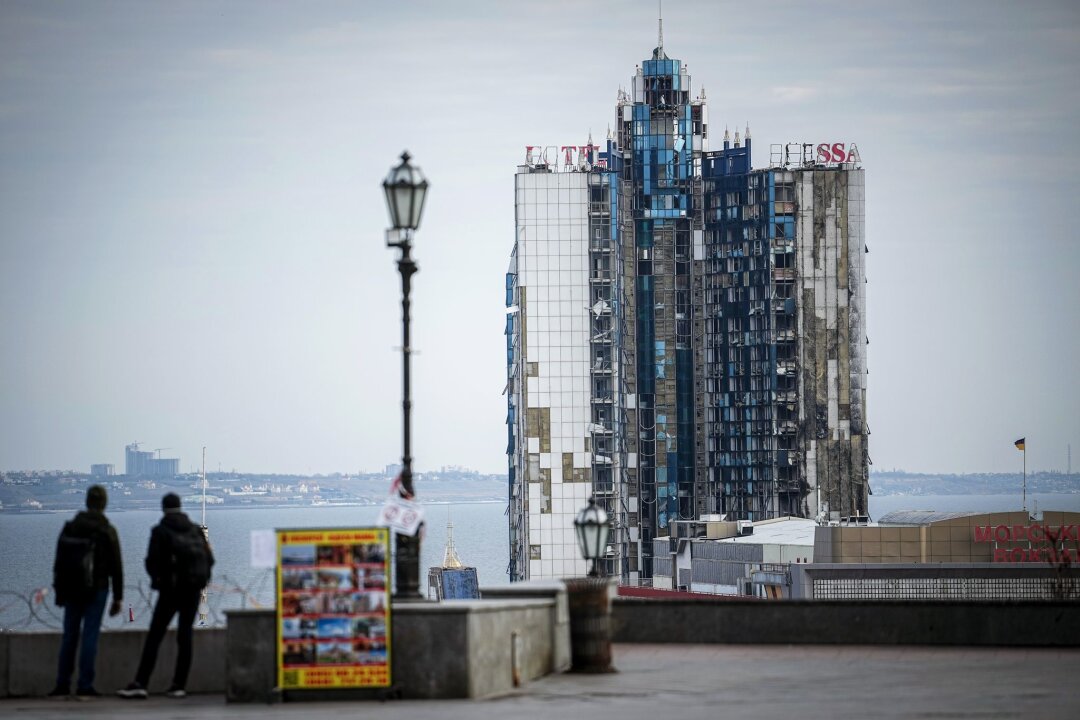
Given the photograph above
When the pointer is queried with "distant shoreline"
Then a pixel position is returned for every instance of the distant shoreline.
(237, 506)
(191, 507)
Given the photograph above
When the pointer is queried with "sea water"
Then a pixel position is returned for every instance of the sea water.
(28, 542)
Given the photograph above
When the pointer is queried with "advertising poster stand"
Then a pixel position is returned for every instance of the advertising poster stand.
(333, 614)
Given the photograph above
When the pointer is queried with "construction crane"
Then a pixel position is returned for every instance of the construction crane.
(158, 451)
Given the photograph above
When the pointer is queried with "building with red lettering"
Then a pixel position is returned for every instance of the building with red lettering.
(931, 537)
(907, 555)
(961, 556)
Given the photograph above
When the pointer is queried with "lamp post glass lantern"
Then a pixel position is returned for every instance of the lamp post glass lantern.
(591, 527)
(406, 190)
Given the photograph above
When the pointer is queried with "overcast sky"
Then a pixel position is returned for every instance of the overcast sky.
(191, 222)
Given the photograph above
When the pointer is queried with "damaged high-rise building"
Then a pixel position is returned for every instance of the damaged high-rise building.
(685, 334)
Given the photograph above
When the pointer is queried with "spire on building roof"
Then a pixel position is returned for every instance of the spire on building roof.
(660, 36)
(747, 135)
(450, 557)
(658, 53)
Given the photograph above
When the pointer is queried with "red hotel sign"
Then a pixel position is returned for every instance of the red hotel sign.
(564, 156)
(828, 154)
(1052, 537)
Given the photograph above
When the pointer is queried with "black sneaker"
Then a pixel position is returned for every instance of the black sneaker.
(59, 692)
(87, 692)
(134, 691)
(175, 692)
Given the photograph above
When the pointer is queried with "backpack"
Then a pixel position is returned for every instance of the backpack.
(73, 575)
(190, 558)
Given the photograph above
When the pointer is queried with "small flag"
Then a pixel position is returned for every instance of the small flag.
(1020, 443)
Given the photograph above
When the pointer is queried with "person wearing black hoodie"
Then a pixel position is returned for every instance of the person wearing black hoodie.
(178, 593)
(83, 607)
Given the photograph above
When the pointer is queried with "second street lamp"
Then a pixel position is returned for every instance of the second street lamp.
(406, 191)
(591, 528)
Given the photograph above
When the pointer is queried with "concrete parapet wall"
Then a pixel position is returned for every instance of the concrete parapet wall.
(452, 649)
(471, 648)
(553, 590)
(847, 622)
(250, 647)
(28, 662)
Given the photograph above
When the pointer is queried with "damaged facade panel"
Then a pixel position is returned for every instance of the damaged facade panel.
(785, 381)
(840, 468)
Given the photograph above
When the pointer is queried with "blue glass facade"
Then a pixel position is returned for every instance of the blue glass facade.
(663, 130)
(749, 299)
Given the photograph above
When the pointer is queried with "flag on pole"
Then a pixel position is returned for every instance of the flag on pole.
(1020, 443)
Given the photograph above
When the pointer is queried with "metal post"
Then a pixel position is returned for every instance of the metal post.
(1025, 475)
(407, 555)
(674, 559)
(589, 608)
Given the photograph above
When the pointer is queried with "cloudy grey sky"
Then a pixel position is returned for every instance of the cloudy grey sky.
(191, 223)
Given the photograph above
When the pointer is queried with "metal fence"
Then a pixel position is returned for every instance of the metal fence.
(724, 563)
(36, 609)
(974, 581)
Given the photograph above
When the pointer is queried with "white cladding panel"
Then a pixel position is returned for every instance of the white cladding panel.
(553, 262)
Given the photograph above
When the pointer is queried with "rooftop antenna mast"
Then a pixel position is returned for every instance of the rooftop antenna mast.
(660, 38)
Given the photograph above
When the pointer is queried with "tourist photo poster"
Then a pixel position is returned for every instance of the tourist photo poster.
(333, 608)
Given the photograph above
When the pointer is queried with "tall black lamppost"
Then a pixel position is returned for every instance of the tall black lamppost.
(406, 189)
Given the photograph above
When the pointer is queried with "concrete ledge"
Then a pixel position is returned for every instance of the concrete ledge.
(1045, 624)
(250, 645)
(560, 613)
(485, 648)
(28, 662)
(453, 649)
(471, 648)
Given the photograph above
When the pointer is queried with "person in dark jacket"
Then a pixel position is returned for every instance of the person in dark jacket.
(84, 609)
(178, 593)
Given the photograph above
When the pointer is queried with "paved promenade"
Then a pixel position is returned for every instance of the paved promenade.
(682, 682)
